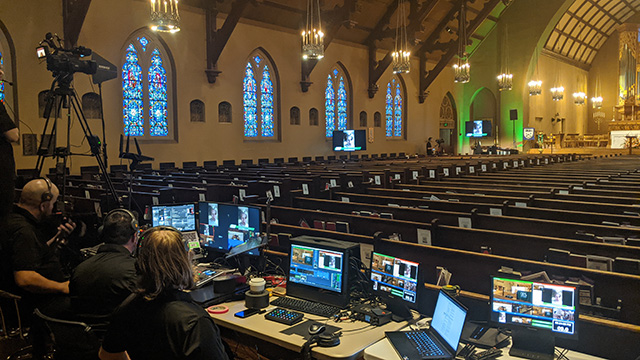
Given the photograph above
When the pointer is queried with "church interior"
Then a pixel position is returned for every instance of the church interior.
(477, 138)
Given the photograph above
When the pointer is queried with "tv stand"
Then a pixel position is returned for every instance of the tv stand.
(532, 344)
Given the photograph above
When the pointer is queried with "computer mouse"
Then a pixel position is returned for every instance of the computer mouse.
(315, 329)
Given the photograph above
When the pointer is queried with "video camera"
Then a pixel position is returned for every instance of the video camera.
(64, 62)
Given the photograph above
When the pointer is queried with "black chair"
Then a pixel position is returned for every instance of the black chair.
(12, 302)
(72, 340)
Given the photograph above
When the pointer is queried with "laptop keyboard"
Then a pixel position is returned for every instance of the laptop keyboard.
(423, 343)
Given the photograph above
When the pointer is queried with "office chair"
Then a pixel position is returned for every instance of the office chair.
(24, 352)
(72, 340)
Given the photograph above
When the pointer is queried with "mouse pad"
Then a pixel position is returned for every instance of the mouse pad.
(302, 329)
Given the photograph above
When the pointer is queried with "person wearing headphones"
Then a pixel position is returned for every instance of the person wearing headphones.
(31, 256)
(102, 282)
(161, 321)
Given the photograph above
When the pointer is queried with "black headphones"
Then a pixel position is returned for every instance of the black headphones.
(322, 340)
(47, 195)
(134, 221)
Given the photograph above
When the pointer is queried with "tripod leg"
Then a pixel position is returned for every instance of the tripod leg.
(51, 105)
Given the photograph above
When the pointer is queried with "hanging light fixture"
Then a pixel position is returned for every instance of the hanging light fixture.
(579, 98)
(535, 87)
(312, 35)
(461, 69)
(597, 99)
(557, 93)
(505, 80)
(165, 16)
(401, 53)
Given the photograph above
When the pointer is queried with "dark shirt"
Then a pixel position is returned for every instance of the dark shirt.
(99, 284)
(7, 163)
(429, 148)
(170, 327)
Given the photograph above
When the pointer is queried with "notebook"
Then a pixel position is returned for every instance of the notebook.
(441, 340)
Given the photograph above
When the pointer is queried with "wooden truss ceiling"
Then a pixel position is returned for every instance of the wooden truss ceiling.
(432, 27)
(587, 25)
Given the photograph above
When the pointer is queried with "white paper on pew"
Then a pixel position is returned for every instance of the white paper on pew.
(242, 193)
(365, 253)
(204, 181)
(305, 189)
(345, 199)
(154, 200)
(350, 184)
(415, 175)
(432, 174)
(424, 236)
(563, 192)
(458, 170)
(495, 211)
(521, 204)
(276, 190)
(201, 197)
(495, 165)
(578, 188)
(170, 185)
(471, 170)
(333, 182)
(434, 198)
(445, 171)
(546, 161)
(86, 194)
(377, 179)
(406, 189)
(515, 163)
(393, 205)
(504, 165)
(396, 176)
(464, 222)
(96, 206)
(269, 195)
(484, 168)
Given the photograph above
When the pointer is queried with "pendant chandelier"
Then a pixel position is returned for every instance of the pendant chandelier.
(535, 87)
(462, 70)
(312, 35)
(597, 99)
(164, 16)
(579, 98)
(401, 53)
(505, 79)
(557, 93)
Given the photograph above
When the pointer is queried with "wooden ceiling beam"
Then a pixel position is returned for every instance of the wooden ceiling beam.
(426, 78)
(382, 24)
(341, 16)
(73, 14)
(475, 11)
(217, 38)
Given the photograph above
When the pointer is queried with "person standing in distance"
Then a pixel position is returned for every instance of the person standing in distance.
(429, 147)
(161, 321)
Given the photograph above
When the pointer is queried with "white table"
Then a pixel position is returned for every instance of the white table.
(356, 336)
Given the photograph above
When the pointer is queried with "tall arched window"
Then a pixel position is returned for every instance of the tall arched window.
(260, 97)
(336, 101)
(148, 94)
(7, 62)
(395, 109)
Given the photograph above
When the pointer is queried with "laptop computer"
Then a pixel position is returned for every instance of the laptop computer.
(441, 340)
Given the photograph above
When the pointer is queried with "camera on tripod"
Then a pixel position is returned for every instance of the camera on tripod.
(61, 61)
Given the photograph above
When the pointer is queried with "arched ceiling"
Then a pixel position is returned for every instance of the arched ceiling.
(586, 26)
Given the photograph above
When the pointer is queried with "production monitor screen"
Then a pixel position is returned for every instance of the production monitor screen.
(534, 304)
(317, 267)
(478, 128)
(349, 140)
(179, 216)
(394, 276)
(226, 226)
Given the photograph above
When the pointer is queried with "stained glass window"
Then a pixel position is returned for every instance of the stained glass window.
(1, 83)
(394, 109)
(336, 102)
(146, 85)
(132, 94)
(259, 101)
(250, 103)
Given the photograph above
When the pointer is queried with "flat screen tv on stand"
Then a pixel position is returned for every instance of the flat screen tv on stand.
(396, 281)
(349, 140)
(536, 313)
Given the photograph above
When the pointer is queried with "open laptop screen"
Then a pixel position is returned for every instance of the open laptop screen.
(448, 319)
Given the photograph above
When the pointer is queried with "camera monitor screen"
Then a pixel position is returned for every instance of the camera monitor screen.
(478, 128)
(534, 304)
(226, 226)
(349, 140)
(394, 276)
(319, 269)
(179, 216)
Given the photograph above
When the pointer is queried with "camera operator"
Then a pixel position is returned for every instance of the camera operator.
(8, 134)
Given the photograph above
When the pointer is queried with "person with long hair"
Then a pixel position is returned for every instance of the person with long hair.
(160, 320)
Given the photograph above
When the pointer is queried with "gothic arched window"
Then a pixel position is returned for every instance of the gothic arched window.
(395, 109)
(336, 101)
(260, 87)
(148, 88)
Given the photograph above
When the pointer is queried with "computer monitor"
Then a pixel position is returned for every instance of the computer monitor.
(225, 226)
(319, 269)
(536, 312)
(396, 281)
(477, 128)
(179, 216)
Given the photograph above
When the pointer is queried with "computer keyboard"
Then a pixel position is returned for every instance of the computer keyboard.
(423, 343)
(305, 306)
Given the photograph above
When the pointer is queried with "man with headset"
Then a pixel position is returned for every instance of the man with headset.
(99, 284)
